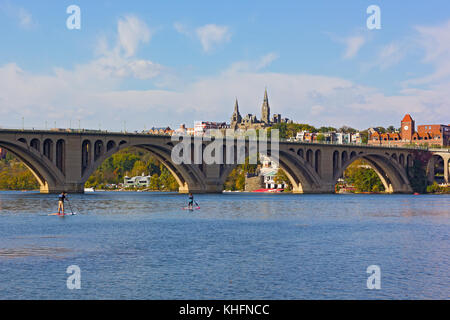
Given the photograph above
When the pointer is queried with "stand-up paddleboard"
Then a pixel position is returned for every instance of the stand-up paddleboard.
(191, 209)
(62, 215)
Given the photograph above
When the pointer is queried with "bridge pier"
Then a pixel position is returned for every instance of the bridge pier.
(69, 188)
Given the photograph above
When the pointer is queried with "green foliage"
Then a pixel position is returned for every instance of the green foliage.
(364, 136)
(434, 188)
(14, 175)
(289, 130)
(391, 129)
(281, 177)
(362, 178)
(320, 137)
(381, 129)
(236, 180)
(131, 162)
(167, 182)
(346, 129)
(326, 129)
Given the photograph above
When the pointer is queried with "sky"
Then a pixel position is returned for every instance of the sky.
(135, 65)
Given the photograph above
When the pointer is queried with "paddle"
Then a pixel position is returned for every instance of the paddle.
(70, 206)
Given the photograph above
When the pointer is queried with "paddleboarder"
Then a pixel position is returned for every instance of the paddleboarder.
(191, 201)
(61, 199)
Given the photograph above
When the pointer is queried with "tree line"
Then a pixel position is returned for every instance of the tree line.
(14, 175)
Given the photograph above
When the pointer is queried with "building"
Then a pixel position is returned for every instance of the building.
(202, 127)
(436, 134)
(137, 182)
(329, 137)
(161, 131)
(250, 121)
(183, 131)
(268, 171)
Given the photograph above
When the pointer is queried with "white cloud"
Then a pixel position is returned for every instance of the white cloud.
(212, 35)
(435, 41)
(23, 17)
(131, 32)
(92, 92)
(182, 28)
(120, 60)
(390, 55)
(257, 65)
(319, 100)
(353, 45)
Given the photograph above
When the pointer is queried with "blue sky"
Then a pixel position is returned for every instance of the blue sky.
(155, 63)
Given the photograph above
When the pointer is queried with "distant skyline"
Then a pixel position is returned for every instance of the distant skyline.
(159, 63)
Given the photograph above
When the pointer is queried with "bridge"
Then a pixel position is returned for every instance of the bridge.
(63, 160)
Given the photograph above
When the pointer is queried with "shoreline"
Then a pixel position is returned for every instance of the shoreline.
(228, 191)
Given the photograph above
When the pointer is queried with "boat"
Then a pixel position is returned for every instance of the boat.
(89, 190)
(269, 190)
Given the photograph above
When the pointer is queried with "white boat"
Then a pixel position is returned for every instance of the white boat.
(89, 189)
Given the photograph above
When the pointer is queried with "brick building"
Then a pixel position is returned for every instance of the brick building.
(429, 134)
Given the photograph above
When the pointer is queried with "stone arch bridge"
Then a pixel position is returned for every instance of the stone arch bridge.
(63, 160)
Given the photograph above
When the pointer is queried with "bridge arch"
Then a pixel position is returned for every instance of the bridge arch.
(189, 178)
(99, 149)
(391, 173)
(48, 149)
(61, 155)
(86, 155)
(36, 144)
(110, 145)
(438, 168)
(42, 168)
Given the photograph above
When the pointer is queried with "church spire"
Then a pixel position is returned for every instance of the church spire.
(236, 117)
(265, 110)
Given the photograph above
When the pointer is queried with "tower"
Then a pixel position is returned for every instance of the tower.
(407, 128)
(236, 117)
(265, 112)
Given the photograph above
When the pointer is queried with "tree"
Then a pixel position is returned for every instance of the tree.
(364, 136)
(363, 178)
(347, 129)
(381, 129)
(320, 137)
(282, 178)
(154, 182)
(391, 129)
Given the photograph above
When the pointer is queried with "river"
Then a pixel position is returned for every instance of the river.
(237, 246)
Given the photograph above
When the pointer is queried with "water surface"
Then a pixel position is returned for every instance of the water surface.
(237, 246)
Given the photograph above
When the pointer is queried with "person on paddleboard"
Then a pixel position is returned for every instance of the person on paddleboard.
(191, 201)
(61, 199)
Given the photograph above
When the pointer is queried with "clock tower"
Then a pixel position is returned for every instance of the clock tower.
(407, 128)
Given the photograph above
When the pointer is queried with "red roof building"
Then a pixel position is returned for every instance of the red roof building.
(431, 135)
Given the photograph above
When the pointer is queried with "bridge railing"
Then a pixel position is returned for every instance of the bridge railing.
(147, 133)
(415, 147)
